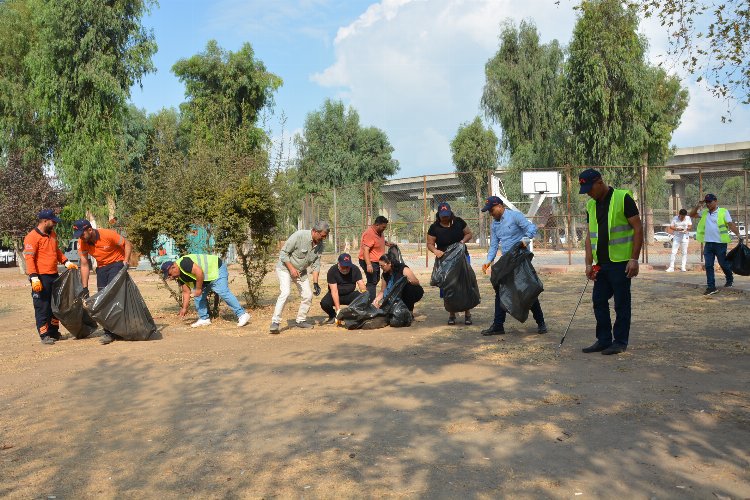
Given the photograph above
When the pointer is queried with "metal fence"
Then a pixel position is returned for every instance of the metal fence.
(410, 205)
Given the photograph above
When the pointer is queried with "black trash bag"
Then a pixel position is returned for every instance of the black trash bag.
(400, 315)
(120, 308)
(517, 282)
(67, 304)
(393, 295)
(739, 260)
(453, 274)
(360, 314)
(394, 252)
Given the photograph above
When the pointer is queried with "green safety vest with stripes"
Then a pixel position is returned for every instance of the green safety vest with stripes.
(619, 230)
(721, 220)
(209, 264)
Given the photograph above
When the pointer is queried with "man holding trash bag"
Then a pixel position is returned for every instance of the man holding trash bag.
(42, 254)
(372, 246)
(613, 242)
(713, 232)
(508, 228)
(344, 285)
(204, 273)
(112, 253)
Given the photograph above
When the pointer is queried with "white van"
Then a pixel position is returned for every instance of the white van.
(71, 252)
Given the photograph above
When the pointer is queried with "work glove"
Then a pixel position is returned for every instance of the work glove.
(36, 284)
(316, 289)
(70, 265)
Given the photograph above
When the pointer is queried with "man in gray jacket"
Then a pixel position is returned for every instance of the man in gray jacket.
(300, 253)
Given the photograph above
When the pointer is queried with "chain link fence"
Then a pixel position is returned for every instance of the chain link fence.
(410, 205)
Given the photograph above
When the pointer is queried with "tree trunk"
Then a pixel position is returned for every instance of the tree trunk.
(20, 260)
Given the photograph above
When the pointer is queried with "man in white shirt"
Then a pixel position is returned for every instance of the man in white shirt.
(680, 226)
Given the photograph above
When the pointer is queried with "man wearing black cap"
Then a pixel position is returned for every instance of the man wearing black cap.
(344, 285)
(42, 254)
(713, 232)
(508, 228)
(613, 242)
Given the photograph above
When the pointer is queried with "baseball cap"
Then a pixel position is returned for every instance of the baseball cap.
(345, 260)
(444, 210)
(710, 197)
(48, 214)
(587, 178)
(79, 227)
(165, 267)
(491, 202)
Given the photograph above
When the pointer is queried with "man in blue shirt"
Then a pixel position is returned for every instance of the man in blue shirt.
(508, 228)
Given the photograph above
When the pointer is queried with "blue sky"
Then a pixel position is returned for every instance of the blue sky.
(414, 68)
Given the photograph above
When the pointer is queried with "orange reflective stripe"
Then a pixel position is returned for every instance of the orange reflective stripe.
(55, 321)
(44, 328)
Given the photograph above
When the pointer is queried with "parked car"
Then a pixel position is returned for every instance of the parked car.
(71, 252)
(7, 257)
(663, 237)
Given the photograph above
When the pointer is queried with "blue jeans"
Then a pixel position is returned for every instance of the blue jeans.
(612, 281)
(220, 286)
(718, 250)
(536, 312)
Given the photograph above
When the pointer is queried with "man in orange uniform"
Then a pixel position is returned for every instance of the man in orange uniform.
(42, 254)
(112, 253)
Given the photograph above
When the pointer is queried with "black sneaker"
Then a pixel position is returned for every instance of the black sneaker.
(729, 284)
(494, 330)
(541, 329)
(331, 320)
(46, 339)
(106, 338)
(274, 329)
(595, 347)
(711, 290)
(451, 320)
(304, 325)
(615, 349)
(57, 336)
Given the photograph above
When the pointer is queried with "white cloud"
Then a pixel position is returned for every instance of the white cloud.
(415, 68)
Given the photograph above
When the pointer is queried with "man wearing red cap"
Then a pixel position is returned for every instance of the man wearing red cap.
(42, 254)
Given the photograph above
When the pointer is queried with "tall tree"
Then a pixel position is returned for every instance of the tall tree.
(474, 151)
(88, 56)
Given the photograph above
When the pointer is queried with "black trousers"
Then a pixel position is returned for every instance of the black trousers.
(373, 278)
(46, 323)
(105, 274)
(412, 294)
(326, 303)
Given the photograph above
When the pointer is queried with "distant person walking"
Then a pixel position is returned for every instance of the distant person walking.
(713, 232)
(613, 241)
(300, 253)
(445, 231)
(681, 225)
(372, 246)
(42, 254)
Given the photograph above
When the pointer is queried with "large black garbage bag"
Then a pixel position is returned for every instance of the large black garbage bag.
(120, 308)
(360, 314)
(393, 295)
(394, 252)
(399, 315)
(739, 260)
(517, 282)
(453, 274)
(67, 304)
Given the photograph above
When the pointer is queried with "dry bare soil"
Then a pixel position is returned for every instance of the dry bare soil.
(431, 411)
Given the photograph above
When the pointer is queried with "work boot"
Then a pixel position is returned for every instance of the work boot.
(304, 325)
(243, 320)
(106, 338)
(595, 347)
(542, 328)
(57, 336)
(274, 329)
(711, 290)
(614, 349)
(201, 322)
(46, 339)
(331, 320)
(494, 330)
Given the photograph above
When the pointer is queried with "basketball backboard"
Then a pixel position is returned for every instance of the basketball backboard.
(538, 182)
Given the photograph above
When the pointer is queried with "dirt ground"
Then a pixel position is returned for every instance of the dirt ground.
(431, 411)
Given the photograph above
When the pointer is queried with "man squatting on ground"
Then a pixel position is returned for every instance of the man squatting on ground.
(508, 228)
(344, 285)
(713, 232)
(205, 273)
(42, 254)
(680, 226)
(371, 247)
(301, 252)
(613, 241)
(112, 253)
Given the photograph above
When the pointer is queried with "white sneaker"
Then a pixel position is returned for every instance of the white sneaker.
(201, 322)
(683, 270)
(670, 269)
(243, 320)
